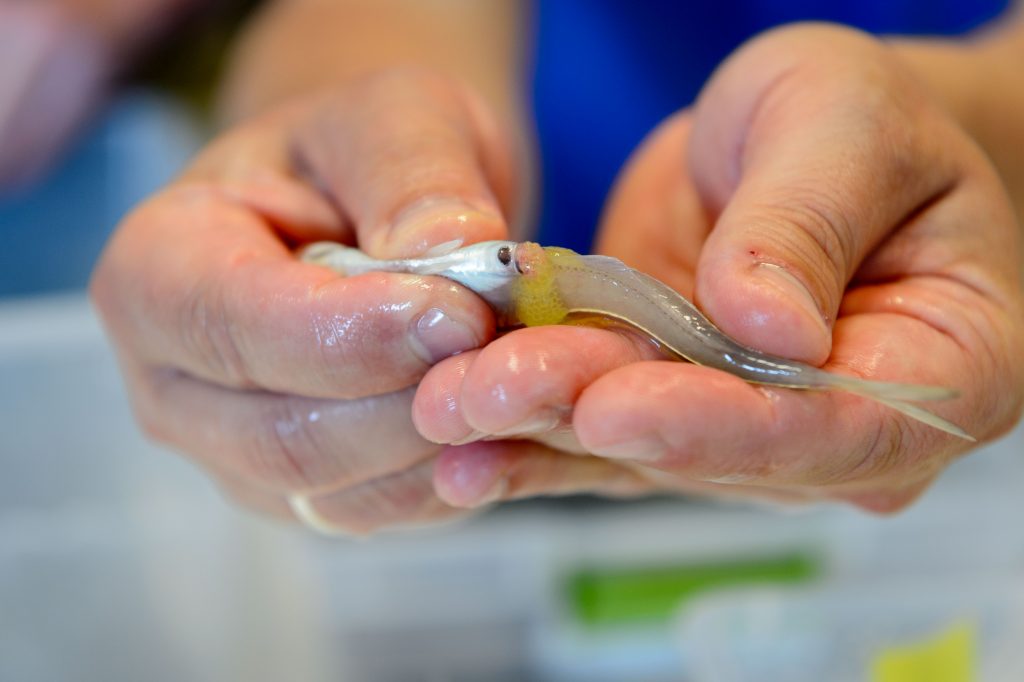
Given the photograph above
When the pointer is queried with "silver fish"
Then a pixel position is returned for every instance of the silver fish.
(527, 284)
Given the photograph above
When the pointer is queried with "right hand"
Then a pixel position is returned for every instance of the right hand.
(282, 380)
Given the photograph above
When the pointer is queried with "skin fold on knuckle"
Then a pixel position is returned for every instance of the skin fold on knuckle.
(805, 230)
(283, 451)
(899, 455)
(209, 336)
(870, 459)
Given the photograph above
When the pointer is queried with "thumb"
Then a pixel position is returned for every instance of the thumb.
(809, 147)
(411, 160)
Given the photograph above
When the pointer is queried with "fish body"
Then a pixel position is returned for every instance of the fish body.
(529, 285)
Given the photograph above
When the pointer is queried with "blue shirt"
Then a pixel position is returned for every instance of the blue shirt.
(608, 71)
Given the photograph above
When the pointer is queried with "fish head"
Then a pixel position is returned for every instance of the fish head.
(486, 268)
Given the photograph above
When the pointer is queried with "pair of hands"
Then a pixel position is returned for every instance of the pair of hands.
(816, 203)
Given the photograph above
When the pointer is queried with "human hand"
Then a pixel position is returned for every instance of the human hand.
(279, 378)
(828, 210)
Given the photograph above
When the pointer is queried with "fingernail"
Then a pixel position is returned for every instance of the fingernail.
(644, 449)
(432, 220)
(472, 437)
(793, 289)
(541, 422)
(436, 336)
(495, 493)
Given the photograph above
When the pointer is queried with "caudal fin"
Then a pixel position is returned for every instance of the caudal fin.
(896, 397)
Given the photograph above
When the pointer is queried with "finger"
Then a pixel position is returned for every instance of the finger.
(402, 500)
(709, 425)
(411, 161)
(522, 384)
(280, 443)
(655, 202)
(482, 473)
(255, 166)
(437, 407)
(806, 175)
(224, 300)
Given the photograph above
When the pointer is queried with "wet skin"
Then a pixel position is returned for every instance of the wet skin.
(817, 204)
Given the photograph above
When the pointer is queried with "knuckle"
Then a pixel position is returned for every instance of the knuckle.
(886, 452)
(284, 450)
(824, 227)
(809, 229)
(208, 334)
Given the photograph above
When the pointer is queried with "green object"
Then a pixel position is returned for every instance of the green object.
(614, 596)
(946, 657)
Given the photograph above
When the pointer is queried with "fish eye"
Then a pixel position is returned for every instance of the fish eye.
(505, 255)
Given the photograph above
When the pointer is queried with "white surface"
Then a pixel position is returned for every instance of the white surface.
(119, 561)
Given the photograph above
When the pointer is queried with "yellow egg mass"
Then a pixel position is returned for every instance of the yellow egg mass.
(536, 292)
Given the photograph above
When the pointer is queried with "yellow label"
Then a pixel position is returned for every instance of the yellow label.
(946, 657)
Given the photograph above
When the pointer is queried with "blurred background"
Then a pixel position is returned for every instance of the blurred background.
(119, 561)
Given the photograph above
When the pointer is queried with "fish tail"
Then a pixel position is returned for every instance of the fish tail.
(897, 396)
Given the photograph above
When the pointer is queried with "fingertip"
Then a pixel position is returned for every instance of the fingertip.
(765, 306)
(437, 406)
(470, 476)
(431, 220)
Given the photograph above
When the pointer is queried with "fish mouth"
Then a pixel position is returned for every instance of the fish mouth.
(528, 257)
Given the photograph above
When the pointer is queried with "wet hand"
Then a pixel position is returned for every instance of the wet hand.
(282, 380)
(817, 204)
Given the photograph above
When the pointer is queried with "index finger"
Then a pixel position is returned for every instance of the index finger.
(413, 161)
(202, 284)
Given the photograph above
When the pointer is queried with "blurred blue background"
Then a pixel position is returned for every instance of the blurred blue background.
(53, 232)
(607, 72)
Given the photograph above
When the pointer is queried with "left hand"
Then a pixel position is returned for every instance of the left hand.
(829, 211)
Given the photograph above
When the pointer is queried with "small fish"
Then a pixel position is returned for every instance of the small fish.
(530, 285)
